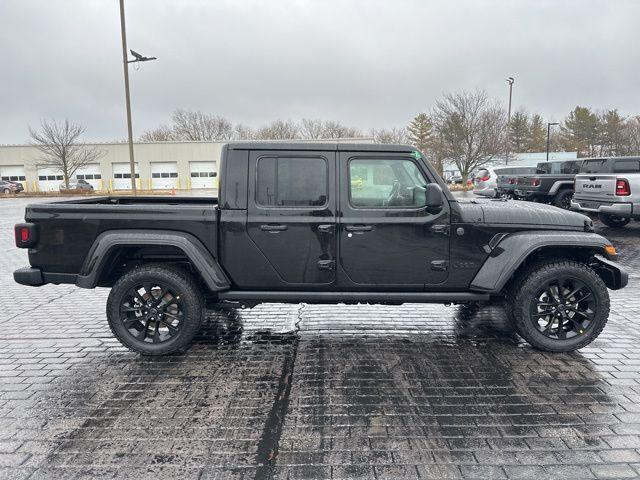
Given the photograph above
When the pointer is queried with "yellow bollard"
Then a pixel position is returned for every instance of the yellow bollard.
(149, 184)
(111, 185)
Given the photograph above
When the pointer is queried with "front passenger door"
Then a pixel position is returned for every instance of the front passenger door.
(387, 237)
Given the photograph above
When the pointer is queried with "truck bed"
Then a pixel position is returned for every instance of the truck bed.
(67, 229)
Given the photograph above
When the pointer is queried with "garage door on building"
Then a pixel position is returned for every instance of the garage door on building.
(164, 175)
(122, 176)
(203, 174)
(91, 173)
(49, 179)
(14, 173)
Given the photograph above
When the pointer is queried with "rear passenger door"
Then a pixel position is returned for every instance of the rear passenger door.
(291, 214)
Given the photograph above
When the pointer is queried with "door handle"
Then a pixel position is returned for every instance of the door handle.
(358, 228)
(273, 228)
(325, 228)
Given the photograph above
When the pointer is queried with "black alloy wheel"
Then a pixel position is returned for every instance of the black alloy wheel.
(155, 309)
(559, 305)
(152, 312)
(563, 308)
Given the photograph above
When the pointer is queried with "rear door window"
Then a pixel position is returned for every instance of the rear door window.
(292, 182)
(626, 166)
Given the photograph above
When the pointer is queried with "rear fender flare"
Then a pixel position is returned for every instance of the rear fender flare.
(208, 267)
(514, 249)
(555, 188)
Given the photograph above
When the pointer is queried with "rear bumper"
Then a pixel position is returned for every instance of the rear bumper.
(34, 277)
(29, 276)
(619, 209)
(529, 194)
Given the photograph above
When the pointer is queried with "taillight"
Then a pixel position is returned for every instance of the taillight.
(622, 187)
(484, 179)
(25, 234)
(535, 182)
(512, 181)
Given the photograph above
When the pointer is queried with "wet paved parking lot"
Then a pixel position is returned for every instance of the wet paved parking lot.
(305, 391)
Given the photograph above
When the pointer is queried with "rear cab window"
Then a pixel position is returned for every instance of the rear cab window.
(292, 181)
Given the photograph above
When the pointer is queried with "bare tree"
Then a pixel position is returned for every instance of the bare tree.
(632, 135)
(326, 129)
(334, 129)
(59, 143)
(312, 129)
(163, 133)
(279, 130)
(393, 135)
(198, 126)
(243, 132)
(470, 129)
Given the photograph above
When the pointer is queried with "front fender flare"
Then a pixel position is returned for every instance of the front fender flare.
(106, 242)
(513, 250)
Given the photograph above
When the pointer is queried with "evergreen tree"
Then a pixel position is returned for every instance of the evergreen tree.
(420, 135)
(537, 134)
(519, 131)
(580, 132)
(612, 133)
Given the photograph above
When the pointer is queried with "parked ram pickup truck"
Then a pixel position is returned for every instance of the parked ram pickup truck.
(609, 187)
(552, 183)
(322, 223)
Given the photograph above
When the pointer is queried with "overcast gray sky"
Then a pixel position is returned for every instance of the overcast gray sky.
(368, 63)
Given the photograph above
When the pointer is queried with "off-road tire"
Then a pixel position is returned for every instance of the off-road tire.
(563, 199)
(613, 221)
(191, 303)
(523, 292)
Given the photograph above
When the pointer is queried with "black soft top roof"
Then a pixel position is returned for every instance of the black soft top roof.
(322, 146)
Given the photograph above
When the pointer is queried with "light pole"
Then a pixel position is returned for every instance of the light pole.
(549, 136)
(126, 62)
(510, 81)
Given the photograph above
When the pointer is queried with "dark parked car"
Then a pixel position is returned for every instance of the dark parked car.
(78, 184)
(552, 183)
(7, 186)
(291, 225)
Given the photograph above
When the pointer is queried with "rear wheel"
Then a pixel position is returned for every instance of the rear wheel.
(613, 220)
(563, 199)
(560, 306)
(155, 309)
(6, 191)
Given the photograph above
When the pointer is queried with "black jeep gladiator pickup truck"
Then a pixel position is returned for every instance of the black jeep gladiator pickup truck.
(322, 223)
(552, 183)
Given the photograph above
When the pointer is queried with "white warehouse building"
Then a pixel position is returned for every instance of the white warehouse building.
(159, 166)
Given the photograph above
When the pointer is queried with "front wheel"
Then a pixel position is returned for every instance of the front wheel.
(560, 306)
(613, 221)
(6, 191)
(155, 309)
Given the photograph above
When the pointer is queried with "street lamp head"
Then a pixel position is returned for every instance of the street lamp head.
(510, 80)
(139, 58)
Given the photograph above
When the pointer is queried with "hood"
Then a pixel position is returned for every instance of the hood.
(528, 213)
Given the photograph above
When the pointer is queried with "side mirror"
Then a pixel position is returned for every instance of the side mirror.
(434, 198)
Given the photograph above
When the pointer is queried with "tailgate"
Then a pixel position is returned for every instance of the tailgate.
(595, 186)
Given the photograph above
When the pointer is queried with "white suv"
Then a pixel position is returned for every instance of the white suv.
(609, 187)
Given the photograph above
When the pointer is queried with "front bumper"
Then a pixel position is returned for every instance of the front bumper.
(619, 209)
(29, 276)
(613, 275)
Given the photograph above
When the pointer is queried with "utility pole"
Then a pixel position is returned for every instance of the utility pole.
(549, 136)
(510, 81)
(125, 63)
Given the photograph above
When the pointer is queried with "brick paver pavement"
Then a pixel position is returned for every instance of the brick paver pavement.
(306, 391)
